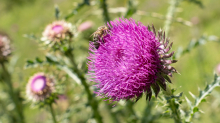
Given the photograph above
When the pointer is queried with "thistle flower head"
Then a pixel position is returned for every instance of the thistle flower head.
(57, 32)
(5, 48)
(131, 60)
(39, 87)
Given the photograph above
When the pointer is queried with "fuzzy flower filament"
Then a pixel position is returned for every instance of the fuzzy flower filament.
(131, 60)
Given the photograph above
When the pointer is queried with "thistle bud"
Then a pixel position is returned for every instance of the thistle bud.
(40, 87)
(5, 48)
(57, 32)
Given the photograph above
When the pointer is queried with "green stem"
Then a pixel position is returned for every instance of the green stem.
(103, 5)
(170, 14)
(52, 113)
(132, 113)
(175, 111)
(92, 102)
(113, 115)
(18, 107)
(75, 11)
(173, 105)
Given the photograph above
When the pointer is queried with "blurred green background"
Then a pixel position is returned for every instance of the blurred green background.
(19, 17)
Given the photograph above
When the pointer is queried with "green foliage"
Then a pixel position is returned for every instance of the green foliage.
(173, 104)
(197, 2)
(195, 43)
(201, 98)
(75, 11)
(105, 13)
(48, 101)
(131, 9)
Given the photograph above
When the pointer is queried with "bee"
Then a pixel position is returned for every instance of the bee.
(100, 33)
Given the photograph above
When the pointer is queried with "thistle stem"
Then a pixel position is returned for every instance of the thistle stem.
(7, 79)
(173, 105)
(170, 14)
(103, 5)
(113, 115)
(52, 113)
(132, 113)
(175, 111)
(92, 102)
(75, 11)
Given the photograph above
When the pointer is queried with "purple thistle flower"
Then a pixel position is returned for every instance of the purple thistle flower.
(39, 87)
(130, 60)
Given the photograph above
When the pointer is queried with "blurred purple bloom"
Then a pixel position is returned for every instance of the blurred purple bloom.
(5, 47)
(85, 26)
(217, 69)
(130, 60)
(39, 87)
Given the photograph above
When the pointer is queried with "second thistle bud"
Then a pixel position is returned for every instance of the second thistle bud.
(57, 32)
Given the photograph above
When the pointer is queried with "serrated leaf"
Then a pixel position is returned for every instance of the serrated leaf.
(65, 48)
(203, 100)
(51, 59)
(38, 60)
(173, 90)
(195, 43)
(195, 109)
(30, 62)
(201, 97)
